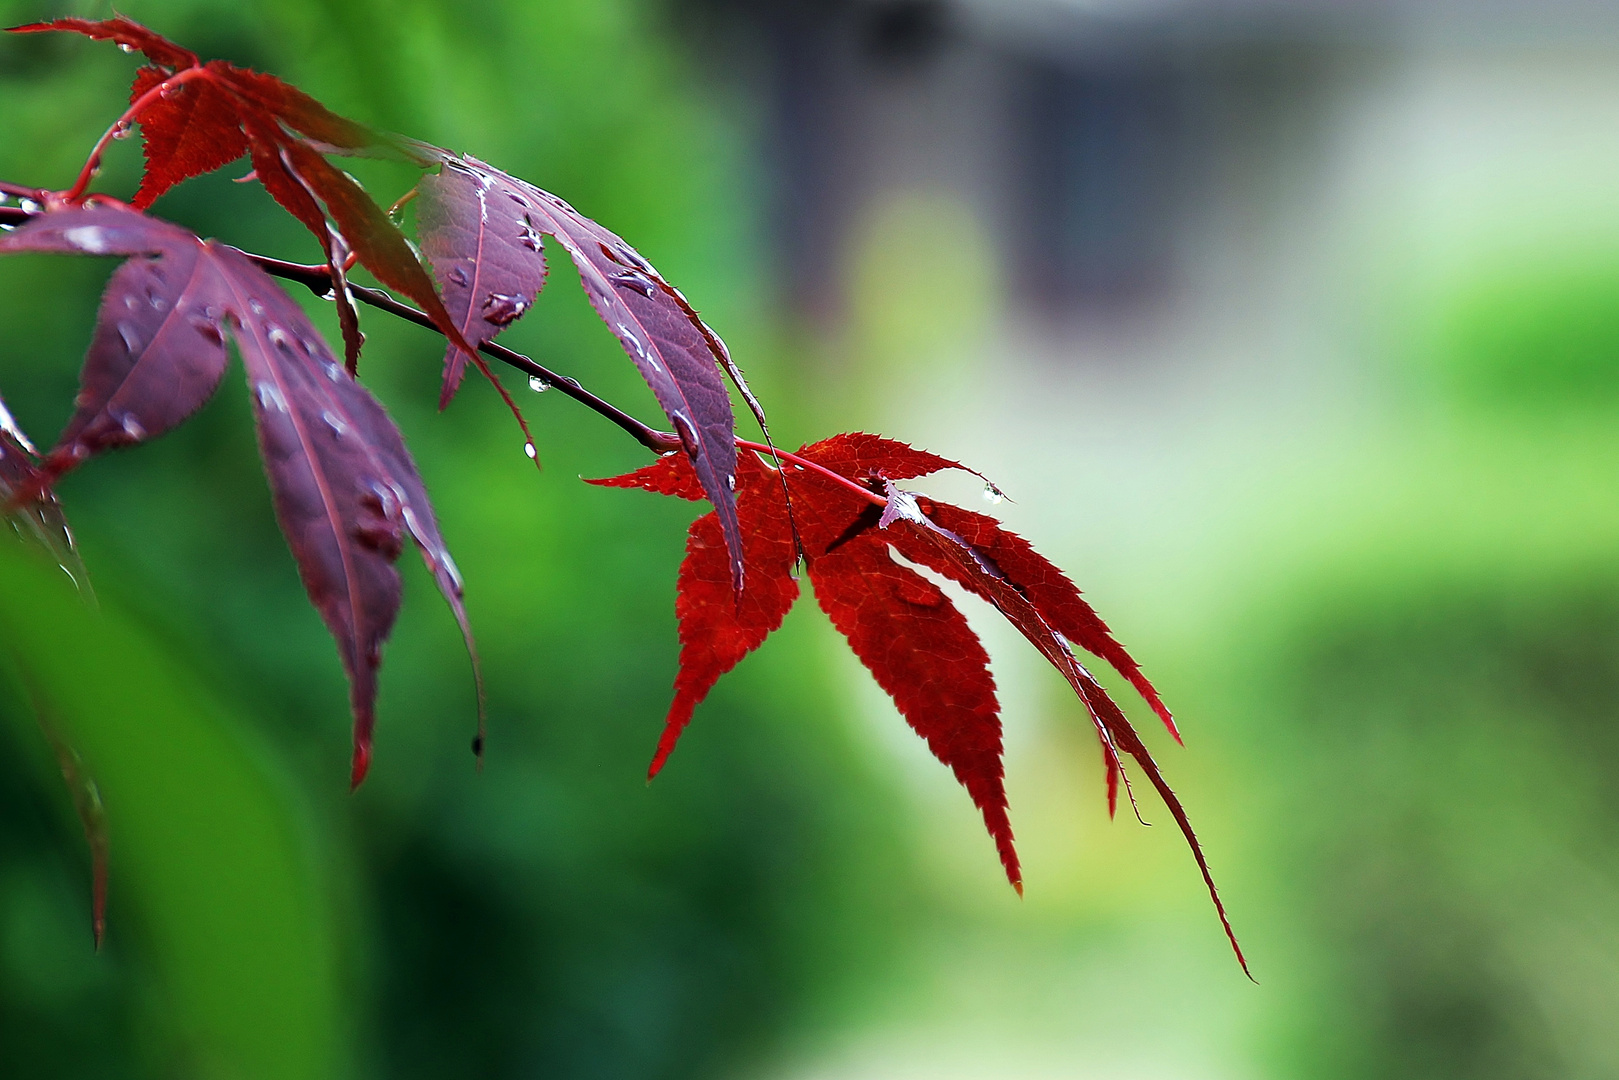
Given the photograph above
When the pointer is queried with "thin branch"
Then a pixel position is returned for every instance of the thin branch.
(92, 164)
(318, 280)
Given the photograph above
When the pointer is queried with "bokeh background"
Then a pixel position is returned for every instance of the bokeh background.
(1291, 327)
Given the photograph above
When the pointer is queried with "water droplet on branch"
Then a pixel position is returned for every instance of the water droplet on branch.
(537, 384)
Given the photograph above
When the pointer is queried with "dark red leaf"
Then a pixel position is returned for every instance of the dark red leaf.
(297, 110)
(463, 219)
(903, 628)
(717, 627)
(126, 32)
(487, 282)
(190, 130)
(1050, 590)
(221, 111)
(346, 492)
(922, 540)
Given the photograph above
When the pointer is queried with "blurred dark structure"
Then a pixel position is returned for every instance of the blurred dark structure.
(1088, 140)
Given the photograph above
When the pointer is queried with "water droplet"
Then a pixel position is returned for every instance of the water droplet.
(270, 396)
(129, 336)
(125, 47)
(123, 130)
(457, 275)
(169, 92)
(730, 481)
(529, 237)
(335, 423)
(528, 448)
(502, 310)
(208, 329)
(90, 239)
(636, 281)
(630, 257)
(255, 307)
(280, 339)
(28, 206)
(452, 571)
(993, 495)
(132, 427)
(159, 303)
(687, 432)
(537, 384)
(334, 371)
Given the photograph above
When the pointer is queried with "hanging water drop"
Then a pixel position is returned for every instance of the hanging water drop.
(993, 495)
(528, 448)
(537, 384)
(457, 275)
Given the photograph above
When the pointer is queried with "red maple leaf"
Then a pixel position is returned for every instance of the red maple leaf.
(858, 533)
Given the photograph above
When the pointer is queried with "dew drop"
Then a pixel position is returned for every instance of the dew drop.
(457, 275)
(334, 371)
(270, 396)
(207, 328)
(529, 237)
(255, 307)
(335, 423)
(993, 495)
(90, 239)
(158, 303)
(537, 384)
(528, 448)
(123, 131)
(125, 47)
(129, 336)
(630, 257)
(687, 433)
(730, 481)
(132, 427)
(635, 281)
(280, 339)
(502, 310)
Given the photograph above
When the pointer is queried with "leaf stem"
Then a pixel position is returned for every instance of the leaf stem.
(805, 463)
(92, 164)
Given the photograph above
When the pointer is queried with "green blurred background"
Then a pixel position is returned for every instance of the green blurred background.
(1292, 328)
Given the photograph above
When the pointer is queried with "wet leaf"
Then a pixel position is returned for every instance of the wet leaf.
(346, 492)
(482, 231)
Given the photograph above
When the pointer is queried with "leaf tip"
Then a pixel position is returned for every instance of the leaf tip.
(361, 765)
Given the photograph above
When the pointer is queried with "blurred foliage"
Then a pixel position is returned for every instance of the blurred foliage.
(1541, 333)
(551, 916)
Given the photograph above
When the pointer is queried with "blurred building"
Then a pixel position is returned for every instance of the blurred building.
(1104, 142)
